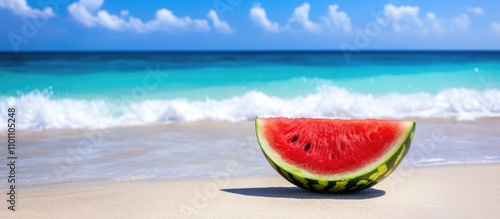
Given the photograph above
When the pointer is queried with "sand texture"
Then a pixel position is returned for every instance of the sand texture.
(432, 192)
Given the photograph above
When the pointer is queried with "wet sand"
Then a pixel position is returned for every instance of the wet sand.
(200, 149)
(460, 191)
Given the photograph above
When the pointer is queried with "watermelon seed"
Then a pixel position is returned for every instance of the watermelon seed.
(294, 138)
(307, 147)
(333, 157)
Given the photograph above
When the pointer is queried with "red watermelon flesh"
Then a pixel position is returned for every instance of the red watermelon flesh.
(331, 146)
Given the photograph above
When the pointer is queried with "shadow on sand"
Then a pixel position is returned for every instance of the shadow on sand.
(298, 193)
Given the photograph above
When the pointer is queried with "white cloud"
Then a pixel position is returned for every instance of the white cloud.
(403, 17)
(91, 5)
(435, 23)
(407, 19)
(259, 16)
(301, 16)
(300, 20)
(90, 14)
(495, 27)
(110, 21)
(476, 10)
(461, 22)
(338, 18)
(167, 20)
(21, 7)
(220, 26)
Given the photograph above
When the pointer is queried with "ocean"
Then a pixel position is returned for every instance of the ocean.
(83, 116)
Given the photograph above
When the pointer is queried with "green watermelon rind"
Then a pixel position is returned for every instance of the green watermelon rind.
(359, 180)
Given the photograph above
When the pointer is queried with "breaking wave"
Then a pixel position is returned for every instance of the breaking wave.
(39, 110)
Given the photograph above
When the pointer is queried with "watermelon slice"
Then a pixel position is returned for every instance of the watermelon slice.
(334, 155)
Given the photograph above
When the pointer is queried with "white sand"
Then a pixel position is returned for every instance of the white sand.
(437, 192)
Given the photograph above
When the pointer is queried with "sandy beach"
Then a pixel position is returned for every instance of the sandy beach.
(466, 191)
(115, 109)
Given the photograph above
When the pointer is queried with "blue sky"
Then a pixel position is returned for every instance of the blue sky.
(244, 24)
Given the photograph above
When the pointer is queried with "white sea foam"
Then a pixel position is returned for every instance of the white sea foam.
(39, 110)
(453, 161)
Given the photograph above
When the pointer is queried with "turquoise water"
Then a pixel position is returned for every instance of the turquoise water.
(143, 88)
(273, 80)
(125, 116)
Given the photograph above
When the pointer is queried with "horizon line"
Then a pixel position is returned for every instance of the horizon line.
(249, 51)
